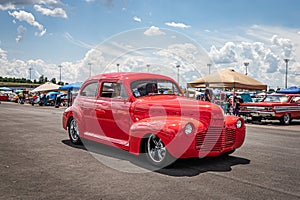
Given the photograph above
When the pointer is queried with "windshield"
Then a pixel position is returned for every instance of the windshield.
(277, 98)
(148, 87)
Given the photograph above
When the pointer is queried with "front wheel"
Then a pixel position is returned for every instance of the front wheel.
(73, 132)
(157, 153)
(286, 119)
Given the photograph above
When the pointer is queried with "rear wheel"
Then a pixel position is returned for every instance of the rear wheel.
(73, 132)
(286, 119)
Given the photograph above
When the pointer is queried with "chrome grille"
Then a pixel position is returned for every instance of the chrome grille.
(229, 137)
(215, 139)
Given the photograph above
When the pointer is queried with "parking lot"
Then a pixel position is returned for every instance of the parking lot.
(38, 161)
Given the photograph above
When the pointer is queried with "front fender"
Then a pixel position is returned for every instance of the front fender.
(230, 122)
(169, 129)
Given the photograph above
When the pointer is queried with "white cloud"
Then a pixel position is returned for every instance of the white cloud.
(3, 54)
(137, 19)
(177, 25)
(14, 3)
(56, 12)
(29, 18)
(70, 38)
(266, 59)
(7, 6)
(21, 30)
(153, 31)
(226, 54)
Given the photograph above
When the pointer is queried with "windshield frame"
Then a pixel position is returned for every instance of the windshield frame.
(138, 87)
(276, 99)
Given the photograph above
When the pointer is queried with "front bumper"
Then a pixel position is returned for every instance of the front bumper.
(211, 143)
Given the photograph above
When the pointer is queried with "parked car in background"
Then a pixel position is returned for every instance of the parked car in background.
(283, 107)
(148, 114)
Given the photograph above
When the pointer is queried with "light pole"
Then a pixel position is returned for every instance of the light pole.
(30, 69)
(118, 67)
(246, 65)
(60, 73)
(90, 64)
(178, 73)
(208, 65)
(286, 70)
(148, 66)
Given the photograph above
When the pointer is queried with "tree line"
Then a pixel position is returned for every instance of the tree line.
(42, 79)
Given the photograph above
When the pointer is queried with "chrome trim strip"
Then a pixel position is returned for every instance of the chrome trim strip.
(108, 139)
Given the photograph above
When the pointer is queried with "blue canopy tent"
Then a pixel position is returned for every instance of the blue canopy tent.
(5, 89)
(71, 87)
(290, 90)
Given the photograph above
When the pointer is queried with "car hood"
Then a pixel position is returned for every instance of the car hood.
(171, 105)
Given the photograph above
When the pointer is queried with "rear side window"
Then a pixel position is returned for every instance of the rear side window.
(90, 90)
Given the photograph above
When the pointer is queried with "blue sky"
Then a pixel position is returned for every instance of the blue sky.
(47, 33)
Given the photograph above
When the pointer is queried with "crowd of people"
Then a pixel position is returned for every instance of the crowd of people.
(229, 106)
(56, 99)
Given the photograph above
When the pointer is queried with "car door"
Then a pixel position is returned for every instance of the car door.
(113, 112)
(86, 102)
(295, 101)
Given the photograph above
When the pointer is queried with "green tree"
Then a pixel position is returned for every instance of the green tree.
(53, 80)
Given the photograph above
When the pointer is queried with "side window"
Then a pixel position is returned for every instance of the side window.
(90, 90)
(113, 90)
(296, 99)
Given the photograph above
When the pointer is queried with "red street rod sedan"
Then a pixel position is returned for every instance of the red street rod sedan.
(147, 114)
(284, 107)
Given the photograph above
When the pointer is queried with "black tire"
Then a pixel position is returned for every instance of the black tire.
(156, 152)
(256, 119)
(229, 152)
(285, 119)
(73, 131)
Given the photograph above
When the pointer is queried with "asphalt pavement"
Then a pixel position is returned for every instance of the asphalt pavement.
(37, 161)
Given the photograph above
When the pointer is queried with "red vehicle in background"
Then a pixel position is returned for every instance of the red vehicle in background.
(283, 107)
(147, 114)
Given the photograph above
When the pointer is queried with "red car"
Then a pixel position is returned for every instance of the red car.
(147, 114)
(283, 107)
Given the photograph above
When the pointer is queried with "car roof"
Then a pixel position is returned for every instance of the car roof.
(129, 76)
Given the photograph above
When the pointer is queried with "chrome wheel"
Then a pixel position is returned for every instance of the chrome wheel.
(73, 132)
(156, 150)
(286, 119)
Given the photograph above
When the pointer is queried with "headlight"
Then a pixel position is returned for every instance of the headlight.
(188, 129)
(238, 123)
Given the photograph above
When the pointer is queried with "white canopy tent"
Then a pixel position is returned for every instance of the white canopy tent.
(48, 86)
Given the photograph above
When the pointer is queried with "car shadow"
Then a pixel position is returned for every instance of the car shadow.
(181, 167)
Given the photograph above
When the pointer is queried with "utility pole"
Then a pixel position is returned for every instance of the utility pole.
(286, 70)
(60, 73)
(90, 64)
(178, 73)
(118, 67)
(246, 65)
(148, 66)
(208, 65)
(30, 69)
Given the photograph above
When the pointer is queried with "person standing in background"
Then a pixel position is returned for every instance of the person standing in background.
(208, 95)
